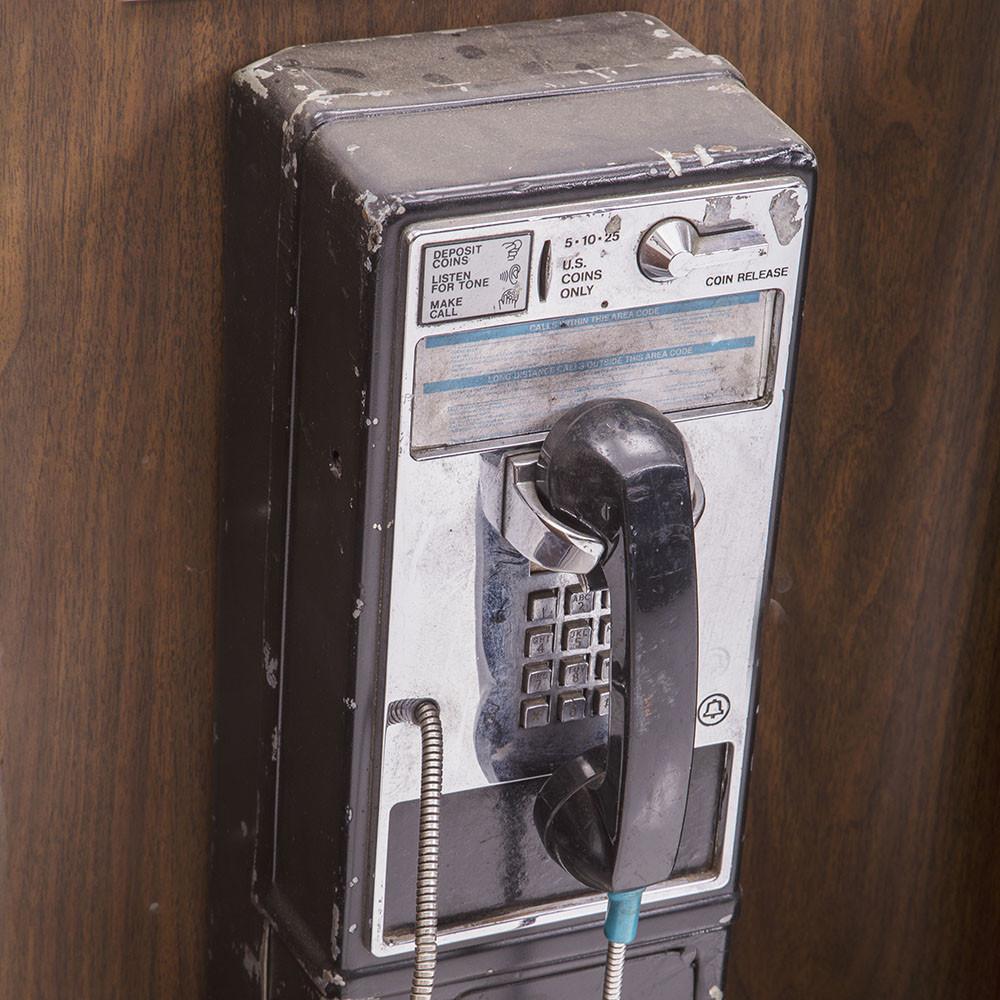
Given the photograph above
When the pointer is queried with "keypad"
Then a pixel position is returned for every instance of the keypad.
(542, 605)
(567, 659)
(574, 673)
(600, 701)
(537, 678)
(538, 641)
(602, 667)
(572, 706)
(605, 631)
(576, 635)
(534, 712)
(579, 601)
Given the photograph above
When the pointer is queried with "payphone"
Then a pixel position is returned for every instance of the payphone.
(510, 329)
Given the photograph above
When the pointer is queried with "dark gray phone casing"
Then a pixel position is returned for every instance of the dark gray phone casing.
(333, 149)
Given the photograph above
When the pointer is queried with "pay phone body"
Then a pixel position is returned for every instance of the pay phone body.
(436, 245)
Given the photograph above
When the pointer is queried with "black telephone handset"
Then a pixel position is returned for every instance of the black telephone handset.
(618, 469)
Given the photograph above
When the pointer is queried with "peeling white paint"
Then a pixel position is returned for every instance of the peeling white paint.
(375, 213)
(787, 216)
(684, 52)
(670, 160)
(270, 666)
(704, 156)
(253, 76)
(251, 965)
(327, 98)
(288, 127)
(604, 72)
(728, 87)
(328, 978)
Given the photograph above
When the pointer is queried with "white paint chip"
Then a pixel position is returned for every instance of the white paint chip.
(670, 160)
(254, 75)
(704, 156)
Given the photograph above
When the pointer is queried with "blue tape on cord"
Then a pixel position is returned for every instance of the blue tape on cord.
(622, 922)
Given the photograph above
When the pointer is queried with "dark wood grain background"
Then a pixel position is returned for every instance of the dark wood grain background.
(872, 865)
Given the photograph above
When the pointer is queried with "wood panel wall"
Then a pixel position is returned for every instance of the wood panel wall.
(871, 864)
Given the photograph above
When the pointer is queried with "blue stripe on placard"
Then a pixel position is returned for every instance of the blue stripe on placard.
(589, 364)
(602, 318)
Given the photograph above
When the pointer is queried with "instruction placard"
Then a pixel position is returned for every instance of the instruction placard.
(468, 279)
(513, 380)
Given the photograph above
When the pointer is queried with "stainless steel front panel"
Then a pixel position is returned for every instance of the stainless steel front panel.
(435, 638)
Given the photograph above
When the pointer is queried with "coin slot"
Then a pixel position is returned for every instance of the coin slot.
(545, 270)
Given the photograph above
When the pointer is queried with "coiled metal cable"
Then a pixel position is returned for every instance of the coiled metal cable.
(614, 971)
(426, 714)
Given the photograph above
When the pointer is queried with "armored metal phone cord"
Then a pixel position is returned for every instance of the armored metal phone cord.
(614, 971)
(620, 928)
(425, 714)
